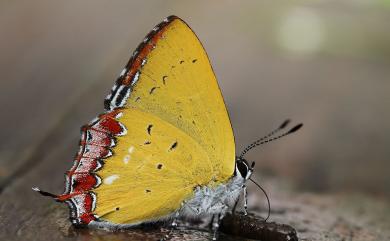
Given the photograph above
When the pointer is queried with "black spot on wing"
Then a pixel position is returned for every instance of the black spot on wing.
(149, 128)
(159, 166)
(194, 60)
(173, 146)
(147, 143)
(164, 79)
(181, 61)
(152, 90)
(148, 191)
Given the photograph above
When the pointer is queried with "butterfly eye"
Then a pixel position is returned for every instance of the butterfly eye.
(242, 168)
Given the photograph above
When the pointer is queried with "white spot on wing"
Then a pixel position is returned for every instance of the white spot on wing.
(116, 96)
(93, 201)
(126, 159)
(98, 181)
(112, 144)
(114, 87)
(124, 130)
(135, 78)
(109, 153)
(108, 96)
(123, 72)
(119, 115)
(94, 120)
(109, 180)
(98, 166)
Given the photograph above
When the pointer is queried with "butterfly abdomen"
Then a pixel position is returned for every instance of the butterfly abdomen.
(213, 200)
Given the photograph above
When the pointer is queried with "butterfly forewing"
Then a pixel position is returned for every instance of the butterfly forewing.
(178, 131)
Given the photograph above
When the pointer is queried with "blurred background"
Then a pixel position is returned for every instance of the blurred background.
(321, 62)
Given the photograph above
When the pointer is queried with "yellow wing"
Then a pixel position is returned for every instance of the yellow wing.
(178, 131)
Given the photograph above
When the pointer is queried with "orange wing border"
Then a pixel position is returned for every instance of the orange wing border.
(130, 74)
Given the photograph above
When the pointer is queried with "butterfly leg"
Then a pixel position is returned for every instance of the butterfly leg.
(245, 201)
(173, 225)
(215, 226)
(235, 205)
(217, 220)
(210, 225)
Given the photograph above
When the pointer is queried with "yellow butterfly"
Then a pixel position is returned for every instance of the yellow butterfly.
(164, 148)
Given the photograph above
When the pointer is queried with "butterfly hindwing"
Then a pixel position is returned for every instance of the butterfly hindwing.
(153, 170)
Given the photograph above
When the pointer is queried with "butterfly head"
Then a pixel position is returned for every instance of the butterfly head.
(243, 168)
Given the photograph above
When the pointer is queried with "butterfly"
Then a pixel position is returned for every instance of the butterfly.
(164, 147)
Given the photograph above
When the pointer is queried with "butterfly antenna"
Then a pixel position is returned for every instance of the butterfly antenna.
(282, 126)
(266, 195)
(267, 138)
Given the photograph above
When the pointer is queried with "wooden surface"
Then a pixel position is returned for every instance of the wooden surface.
(25, 215)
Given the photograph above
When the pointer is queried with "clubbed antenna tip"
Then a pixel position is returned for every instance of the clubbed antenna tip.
(271, 136)
(295, 128)
(284, 124)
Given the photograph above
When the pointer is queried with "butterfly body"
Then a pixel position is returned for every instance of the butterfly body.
(213, 200)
